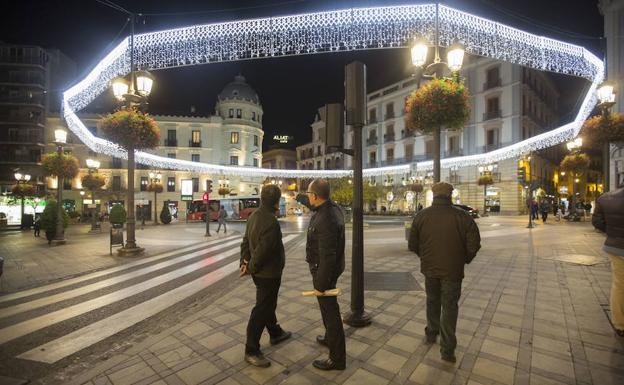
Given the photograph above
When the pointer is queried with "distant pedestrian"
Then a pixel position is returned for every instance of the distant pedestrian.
(445, 238)
(555, 207)
(221, 220)
(37, 226)
(609, 217)
(262, 256)
(544, 209)
(534, 209)
(420, 206)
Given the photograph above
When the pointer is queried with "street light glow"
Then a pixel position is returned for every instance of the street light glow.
(144, 82)
(455, 57)
(120, 87)
(18, 176)
(419, 53)
(605, 93)
(60, 136)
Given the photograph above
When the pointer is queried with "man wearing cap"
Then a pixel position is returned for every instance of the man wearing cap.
(445, 238)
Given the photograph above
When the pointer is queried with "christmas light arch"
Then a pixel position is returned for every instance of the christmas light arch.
(343, 30)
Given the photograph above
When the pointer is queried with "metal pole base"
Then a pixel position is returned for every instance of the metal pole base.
(130, 251)
(57, 242)
(357, 319)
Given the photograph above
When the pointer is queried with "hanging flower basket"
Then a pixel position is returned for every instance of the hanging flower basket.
(131, 129)
(604, 129)
(439, 103)
(485, 180)
(65, 166)
(575, 162)
(93, 182)
(223, 191)
(155, 187)
(417, 187)
(23, 190)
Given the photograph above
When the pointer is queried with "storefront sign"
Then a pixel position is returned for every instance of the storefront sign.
(187, 190)
(282, 138)
(141, 202)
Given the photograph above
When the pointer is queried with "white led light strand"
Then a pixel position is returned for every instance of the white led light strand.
(344, 30)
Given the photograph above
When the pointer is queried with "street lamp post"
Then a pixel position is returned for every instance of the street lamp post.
(485, 171)
(155, 178)
(437, 69)
(132, 94)
(606, 100)
(574, 147)
(60, 139)
(22, 179)
(93, 166)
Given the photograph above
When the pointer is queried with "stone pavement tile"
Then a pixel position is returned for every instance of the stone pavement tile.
(233, 355)
(167, 343)
(536, 379)
(550, 328)
(552, 365)
(239, 328)
(501, 350)
(549, 315)
(467, 325)
(174, 357)
(507, 320)
(373, 303)
(471, 312)
(386, 319)
(504, 333)
(226, 318)
(364, 377)
(416, 327)
(479, 304)
(292, 307)
(228, 381)
(552, 345)
(262, 375)
(215, 340)
(494, 370)
(473, 382)
(387, 360)
(399, 309)
(429, 375)
(605, 357)
(355, 347)
(196, 328)
(235, 303)
(510, 309)
(294, 350)
(404, 342)
(198, 372)
(372, 332)
(131, 374)
(299, 379)
(600, 376)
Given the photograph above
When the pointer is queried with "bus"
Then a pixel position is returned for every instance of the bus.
(235, 207)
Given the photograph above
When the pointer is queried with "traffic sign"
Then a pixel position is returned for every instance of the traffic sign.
(521, 175)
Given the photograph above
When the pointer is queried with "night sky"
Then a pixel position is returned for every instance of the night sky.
(290, 89)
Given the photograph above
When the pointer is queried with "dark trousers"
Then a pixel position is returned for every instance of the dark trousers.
(442, 309)
(334, 333)
(222, 222)
(544, 216)
(263, 314)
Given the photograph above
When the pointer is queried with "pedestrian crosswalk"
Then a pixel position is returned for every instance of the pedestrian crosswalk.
(113, 299)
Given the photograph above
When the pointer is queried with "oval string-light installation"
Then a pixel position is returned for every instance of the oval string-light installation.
(321, 32)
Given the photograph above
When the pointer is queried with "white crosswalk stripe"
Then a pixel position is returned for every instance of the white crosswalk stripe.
(182, 282)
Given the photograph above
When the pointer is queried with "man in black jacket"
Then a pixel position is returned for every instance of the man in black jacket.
(445, 238)
(609, 217)
(326, 258)
(262, 256)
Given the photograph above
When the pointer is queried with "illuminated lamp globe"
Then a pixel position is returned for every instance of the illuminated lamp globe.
(455, 57)
(419, 53)
(60, 136)
(120, 87)
(144, 82)
(606, 93)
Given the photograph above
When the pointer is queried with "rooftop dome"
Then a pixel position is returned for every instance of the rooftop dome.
(239, 90)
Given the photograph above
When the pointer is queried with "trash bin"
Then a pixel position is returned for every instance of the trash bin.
(408, 228)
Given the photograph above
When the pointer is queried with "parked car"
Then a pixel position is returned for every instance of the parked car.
(473, 212)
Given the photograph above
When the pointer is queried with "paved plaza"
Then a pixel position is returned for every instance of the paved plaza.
(534, 310)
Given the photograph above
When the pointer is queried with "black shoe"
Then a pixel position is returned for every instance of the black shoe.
(282, 337)
(619, 333)
(430, 337)
(258, 360)
(328, 364)
(322, 341)
(449, 358)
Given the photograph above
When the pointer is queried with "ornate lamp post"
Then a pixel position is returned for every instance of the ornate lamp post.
(485, 179)
(60, 139)
(606, 100)
(437, 69)
(93, 166)
(574, 147)
(155, 185)
(22, 179)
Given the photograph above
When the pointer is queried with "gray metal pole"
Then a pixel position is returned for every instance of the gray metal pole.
(59, 236)
(356, 72)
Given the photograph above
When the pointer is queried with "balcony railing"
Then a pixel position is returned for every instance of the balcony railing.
(388, 162)
(33, 139)
(372, 119)
(371, 141)
(372, 164)
(389, 137)
(491, 84)
(492, 114)
(14, 158)
(171, 142)
(194, 144)
(389, 116)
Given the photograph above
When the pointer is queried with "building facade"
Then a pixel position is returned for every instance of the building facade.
(231, 137)
(31, 78)
(315, 155)
(508, 103)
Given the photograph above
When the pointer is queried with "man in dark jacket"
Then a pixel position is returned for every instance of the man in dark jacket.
(609, 217)
(326, 257)
(262, 256)
(445, 238)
